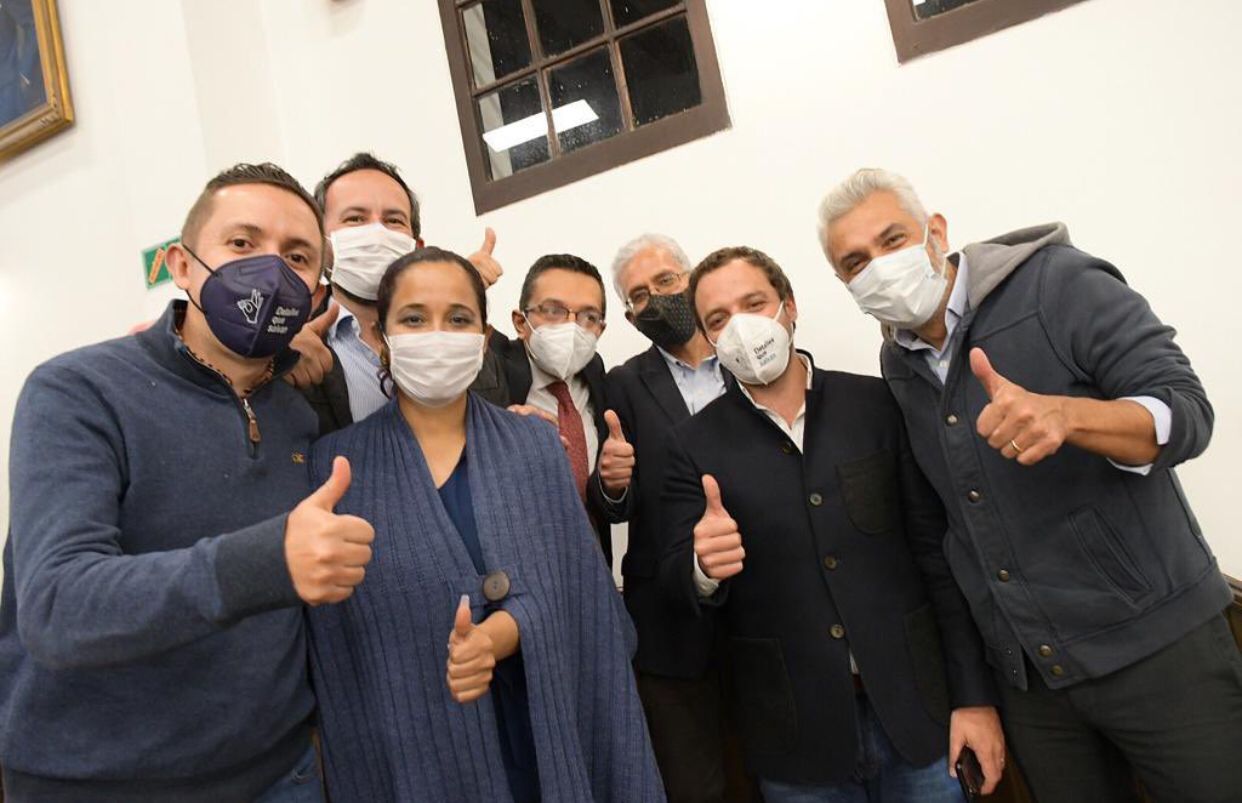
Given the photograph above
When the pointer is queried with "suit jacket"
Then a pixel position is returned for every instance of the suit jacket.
(515, 381)
(330, 398)
(843, 553)
(672, 640)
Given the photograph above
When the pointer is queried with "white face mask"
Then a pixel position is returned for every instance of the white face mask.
(434, 368)
(755, 348)
(901, 289)
(561, 349)
(361, 254)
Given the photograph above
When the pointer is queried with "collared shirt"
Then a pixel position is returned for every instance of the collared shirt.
(705, 585)
(796, 432)
(940, 359)
(539, 396)
(360, 364)
(699, 386)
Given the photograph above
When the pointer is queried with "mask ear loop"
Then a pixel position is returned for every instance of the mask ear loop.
(208, 268)
(943, 268)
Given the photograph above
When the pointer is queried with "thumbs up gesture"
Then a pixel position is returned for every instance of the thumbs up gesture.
(487, 266)
(472, 657)
(1020, 424)
(616, 457)
(327, 553)
(717, 542)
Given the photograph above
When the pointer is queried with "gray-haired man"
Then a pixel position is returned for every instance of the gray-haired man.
(1048, 405)
(650, 393)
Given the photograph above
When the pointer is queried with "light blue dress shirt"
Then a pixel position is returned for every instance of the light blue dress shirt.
(699, 386)
(360, 364)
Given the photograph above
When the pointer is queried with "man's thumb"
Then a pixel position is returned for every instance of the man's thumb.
(614, 426)
(462, 621)
(711, 490)
(331, 491)
(321, 324)
(489, 240)
(982, 368)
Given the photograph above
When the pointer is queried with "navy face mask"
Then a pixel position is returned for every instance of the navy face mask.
(253, 305)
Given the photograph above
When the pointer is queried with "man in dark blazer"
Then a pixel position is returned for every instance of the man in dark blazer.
(677, 670)
(552, 369)
(794, 507)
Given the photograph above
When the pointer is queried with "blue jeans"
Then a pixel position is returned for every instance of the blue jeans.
(882, 776)
(301, 784)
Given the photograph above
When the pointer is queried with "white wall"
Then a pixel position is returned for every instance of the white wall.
(1121, 117)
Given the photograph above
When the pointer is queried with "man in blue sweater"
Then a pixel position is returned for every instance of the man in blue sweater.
(160, 546)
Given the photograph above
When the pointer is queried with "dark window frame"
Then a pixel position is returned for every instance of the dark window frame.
(709, 117)
(914, 37)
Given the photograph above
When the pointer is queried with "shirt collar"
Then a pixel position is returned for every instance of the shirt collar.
(955, 310)
(539, 378)
(708, 363)
(810, 377)
(344, 319)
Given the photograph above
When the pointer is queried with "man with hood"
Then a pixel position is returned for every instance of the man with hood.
(1048, 406)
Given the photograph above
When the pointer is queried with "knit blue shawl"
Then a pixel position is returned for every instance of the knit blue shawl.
(391, 731)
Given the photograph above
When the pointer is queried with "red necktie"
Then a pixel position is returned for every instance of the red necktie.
(570, 422)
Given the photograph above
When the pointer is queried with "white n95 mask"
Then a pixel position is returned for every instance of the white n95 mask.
(434, 368)
(562, 349)
(901, 289)
(755, 348)
(361, 254)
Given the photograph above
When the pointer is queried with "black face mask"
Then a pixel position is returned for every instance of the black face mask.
(667, 321)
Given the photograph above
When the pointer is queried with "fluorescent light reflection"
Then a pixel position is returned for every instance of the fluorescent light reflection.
(564, 118)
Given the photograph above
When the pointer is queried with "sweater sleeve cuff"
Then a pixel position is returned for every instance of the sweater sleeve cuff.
(251, 570)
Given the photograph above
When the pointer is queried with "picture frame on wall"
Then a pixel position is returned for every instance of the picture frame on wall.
(34, 84)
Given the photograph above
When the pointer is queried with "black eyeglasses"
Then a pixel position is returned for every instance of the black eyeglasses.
(664, 284)
(549, 312)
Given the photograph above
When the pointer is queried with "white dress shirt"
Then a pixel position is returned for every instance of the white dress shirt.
(539, 396)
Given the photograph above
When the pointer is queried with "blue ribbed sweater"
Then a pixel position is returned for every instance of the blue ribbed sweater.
(152, 646)
(391, 731)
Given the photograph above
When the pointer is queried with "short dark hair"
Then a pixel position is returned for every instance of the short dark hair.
(238, 174)
(367, 161)
(751, 256)
(567, 262)
(430, 253)
(388, 288)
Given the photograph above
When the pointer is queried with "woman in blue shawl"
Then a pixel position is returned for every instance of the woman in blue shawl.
(486, 656)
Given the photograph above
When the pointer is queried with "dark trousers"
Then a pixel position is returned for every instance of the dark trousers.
(693, 742)
(1174, 720)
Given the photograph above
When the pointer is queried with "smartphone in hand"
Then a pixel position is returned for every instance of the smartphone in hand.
(969, 773)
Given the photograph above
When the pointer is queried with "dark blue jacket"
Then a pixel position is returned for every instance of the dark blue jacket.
(673, 641)
(151, 643)
(1081, 566)
(844, 553)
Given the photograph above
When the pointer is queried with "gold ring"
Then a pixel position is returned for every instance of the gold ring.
(1017, 449)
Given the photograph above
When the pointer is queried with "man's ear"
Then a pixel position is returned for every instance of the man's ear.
(520, 325)
(629, 316)
(791, 308)
(938, 228)
(178, 262)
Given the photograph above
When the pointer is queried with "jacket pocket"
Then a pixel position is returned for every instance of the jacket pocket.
(869, 492)
(927, 661)
(1108, 554)
(763, 695)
